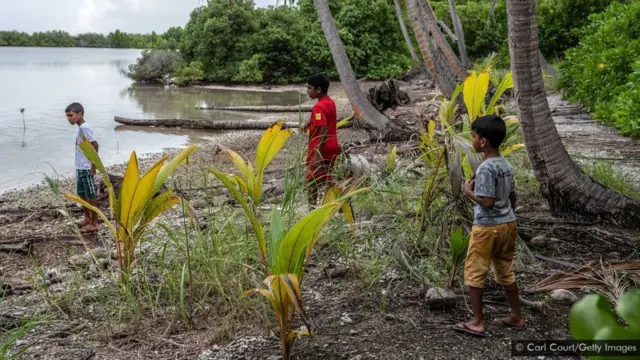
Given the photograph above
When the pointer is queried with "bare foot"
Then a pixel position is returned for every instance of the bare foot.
(512, 322)
(82, 223)
(90, 228)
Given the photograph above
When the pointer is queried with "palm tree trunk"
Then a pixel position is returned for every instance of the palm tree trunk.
(564, 185)
(405, 33)
(433, 55)
(362, 109)
(457, 27)
(378, 125)
(432, 25)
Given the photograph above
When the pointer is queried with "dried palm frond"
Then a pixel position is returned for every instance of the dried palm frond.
(607, 277)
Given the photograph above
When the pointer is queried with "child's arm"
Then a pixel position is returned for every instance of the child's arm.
(512, 199)
(485, 202)
(482, 189)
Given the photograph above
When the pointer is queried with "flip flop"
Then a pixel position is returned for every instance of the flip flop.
(465, 329)
(88, 231)
(499, 322)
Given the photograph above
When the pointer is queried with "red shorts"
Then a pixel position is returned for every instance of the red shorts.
(321, 171)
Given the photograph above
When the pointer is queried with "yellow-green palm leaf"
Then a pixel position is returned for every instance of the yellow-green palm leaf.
(475, 90)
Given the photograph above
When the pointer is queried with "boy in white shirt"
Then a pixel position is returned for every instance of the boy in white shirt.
(85, 170)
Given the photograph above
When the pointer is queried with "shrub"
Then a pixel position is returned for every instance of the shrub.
(249, 71)
(189, 74)
(559, 24)
(155, 66)
(600, 71)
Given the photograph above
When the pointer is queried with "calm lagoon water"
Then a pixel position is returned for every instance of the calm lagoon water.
(44, 81)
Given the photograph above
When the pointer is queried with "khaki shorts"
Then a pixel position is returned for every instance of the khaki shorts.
(491, 244)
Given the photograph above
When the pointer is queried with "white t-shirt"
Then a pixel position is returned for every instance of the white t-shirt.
(82, 163)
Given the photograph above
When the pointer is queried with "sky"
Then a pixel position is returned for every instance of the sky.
(102, 16)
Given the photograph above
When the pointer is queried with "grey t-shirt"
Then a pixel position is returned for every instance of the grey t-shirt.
(494, 179)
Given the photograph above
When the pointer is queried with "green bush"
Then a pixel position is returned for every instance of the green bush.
(600, 71)
(237, 42)
(188, 74)
(559, 24)
(155, 66)
(249, 71)
(483, 34)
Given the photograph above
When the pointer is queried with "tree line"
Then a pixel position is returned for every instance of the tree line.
(116, 39)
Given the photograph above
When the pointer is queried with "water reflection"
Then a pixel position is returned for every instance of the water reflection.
(161, 102)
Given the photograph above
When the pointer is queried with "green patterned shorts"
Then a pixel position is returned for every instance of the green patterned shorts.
(85, 185)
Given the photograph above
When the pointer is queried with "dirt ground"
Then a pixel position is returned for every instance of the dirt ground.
(387, 321)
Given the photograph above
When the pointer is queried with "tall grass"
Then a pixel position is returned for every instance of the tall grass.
(612, 177)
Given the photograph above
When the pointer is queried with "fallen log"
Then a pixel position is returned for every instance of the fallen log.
(265, 108)
(203, 124)
(34, 239)
(22, 248)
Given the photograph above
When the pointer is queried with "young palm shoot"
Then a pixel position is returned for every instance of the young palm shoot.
(138, 203)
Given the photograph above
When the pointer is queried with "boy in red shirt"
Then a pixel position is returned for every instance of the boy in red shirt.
(323, 146)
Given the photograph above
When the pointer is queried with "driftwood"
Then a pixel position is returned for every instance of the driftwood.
(387, 96)
(203, 124)
(557, 262)
(33, 239)
(22, 248)
(266, 108)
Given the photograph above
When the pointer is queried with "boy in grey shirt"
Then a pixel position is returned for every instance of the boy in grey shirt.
(493, 236)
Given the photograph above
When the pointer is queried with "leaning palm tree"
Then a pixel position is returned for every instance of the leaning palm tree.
(439, 59)
(405, 33)
(366, 115)
(566, 187)
(459, 31)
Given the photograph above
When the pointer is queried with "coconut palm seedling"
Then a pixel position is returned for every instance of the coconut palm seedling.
(458, 246)
(591, 318)
(138, 203)
(462, 160)
(391, 160)
(283, 252)
(288, 252)
(246, 187)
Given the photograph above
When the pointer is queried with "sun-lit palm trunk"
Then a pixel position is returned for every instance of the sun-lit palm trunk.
(439, 60)
(405, 33)
(432, 25)
(362, 109)
(457, 27)
(568, 190)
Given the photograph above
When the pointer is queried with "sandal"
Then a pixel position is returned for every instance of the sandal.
(465, 329)
(502, 322)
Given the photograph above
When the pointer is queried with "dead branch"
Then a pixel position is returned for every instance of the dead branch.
(22, 248)
(557, 262)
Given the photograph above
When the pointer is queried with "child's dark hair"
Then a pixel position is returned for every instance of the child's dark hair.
(319, 81)
(75, 108)
(492, 128)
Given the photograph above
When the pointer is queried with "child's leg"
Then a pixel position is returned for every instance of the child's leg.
(88, 189)
(312, 194)
(516, 318)
(81, 193)
(475, 271)
(503, 265)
